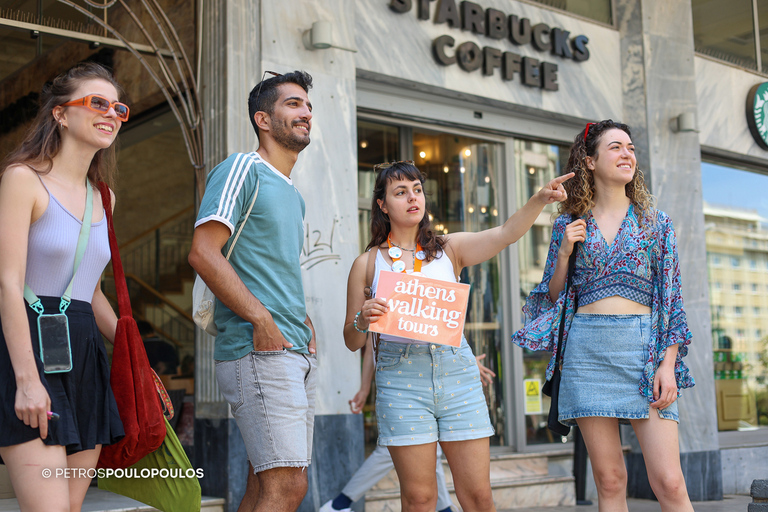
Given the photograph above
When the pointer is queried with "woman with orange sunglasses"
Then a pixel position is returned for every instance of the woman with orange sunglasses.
(56, 405)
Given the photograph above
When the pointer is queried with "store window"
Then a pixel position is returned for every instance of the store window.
(725, 29)
(154, 232)
(536, 164)
(736, 213)
(462, 195)
(20, 47)
(598, 10)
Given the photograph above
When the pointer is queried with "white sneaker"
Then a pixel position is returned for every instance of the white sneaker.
(328, 507)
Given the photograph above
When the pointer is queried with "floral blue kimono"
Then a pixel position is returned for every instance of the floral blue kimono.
(641, 264)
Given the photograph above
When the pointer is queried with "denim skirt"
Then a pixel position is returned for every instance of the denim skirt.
(602, 366)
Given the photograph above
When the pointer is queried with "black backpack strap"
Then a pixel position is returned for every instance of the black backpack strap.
(571, 264)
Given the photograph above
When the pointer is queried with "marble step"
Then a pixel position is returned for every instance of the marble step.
(519, 493)
(98, 500)
(518, 480)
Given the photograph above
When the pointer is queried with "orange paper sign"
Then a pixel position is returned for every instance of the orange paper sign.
(422, 308)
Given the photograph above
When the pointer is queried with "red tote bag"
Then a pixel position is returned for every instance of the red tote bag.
(131, 376)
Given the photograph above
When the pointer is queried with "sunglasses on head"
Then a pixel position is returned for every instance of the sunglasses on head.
(258, 93)
(387, 165)
(100, 104)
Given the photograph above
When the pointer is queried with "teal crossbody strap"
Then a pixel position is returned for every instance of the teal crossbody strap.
(82, 242)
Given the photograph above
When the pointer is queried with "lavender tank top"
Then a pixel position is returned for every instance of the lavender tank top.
(51, 253)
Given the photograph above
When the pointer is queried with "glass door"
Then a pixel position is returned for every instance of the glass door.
(536, 164)
(462, 195)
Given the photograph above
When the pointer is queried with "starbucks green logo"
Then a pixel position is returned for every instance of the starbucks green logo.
(757, 113)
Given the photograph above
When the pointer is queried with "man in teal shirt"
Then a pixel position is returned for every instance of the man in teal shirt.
(265, 348)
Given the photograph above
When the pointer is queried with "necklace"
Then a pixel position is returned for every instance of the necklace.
(396, 252)
(403, 248)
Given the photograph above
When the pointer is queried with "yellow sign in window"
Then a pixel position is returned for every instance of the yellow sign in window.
(532, 396)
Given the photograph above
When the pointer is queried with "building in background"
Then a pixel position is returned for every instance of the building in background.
(737, 260)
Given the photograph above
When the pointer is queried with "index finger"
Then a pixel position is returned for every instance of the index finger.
(42, 423)
(564, 177)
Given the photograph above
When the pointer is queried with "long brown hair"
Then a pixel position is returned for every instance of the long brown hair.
(430, 243)
(42, 141)
(581, 188)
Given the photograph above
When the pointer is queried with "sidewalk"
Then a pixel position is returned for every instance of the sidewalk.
(729, 504)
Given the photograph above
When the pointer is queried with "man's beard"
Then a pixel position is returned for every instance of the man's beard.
(285, 137)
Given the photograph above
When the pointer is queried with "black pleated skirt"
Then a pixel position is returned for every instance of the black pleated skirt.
(82, 397)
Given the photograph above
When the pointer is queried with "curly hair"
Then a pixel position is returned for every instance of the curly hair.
(43, 139)
(581, 188)
(430, 243)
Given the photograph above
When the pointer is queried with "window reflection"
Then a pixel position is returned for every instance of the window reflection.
(536, 165)
(462, 195)
(736, 219)
(762, 16)
(19, 49)
(599, 10)
(724, 29)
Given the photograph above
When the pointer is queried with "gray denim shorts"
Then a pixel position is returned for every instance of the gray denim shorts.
(272, 397)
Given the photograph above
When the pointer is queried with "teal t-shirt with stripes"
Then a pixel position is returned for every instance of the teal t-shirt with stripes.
(267, 254)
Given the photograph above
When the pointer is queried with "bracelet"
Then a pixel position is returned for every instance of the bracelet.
(363, 331)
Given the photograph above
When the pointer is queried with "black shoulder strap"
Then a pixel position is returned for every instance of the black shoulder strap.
(571, 264)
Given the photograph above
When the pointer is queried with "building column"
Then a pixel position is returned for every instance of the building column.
(230, 68)
(326, 175)
(659, 84)
(241, 39)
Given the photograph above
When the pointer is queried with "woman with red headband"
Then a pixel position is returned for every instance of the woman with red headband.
(56, 406)
(416, 406)
(625, 330)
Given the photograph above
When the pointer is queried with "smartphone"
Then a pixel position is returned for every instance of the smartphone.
(55, 349)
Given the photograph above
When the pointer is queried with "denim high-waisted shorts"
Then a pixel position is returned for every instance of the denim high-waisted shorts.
(428, 393)
(602, 366)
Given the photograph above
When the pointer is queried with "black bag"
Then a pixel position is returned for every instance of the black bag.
(551, 388)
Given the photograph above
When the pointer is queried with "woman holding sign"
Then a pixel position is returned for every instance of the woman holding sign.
(625, 326)
(427, 391)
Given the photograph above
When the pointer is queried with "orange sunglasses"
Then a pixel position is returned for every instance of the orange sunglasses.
(99, 103)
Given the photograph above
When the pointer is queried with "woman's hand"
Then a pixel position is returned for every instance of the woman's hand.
(576, 231)
(486, 374)
(358, 401)
(32, 405)
(664, 385)
(554, 191)
(372, 310)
